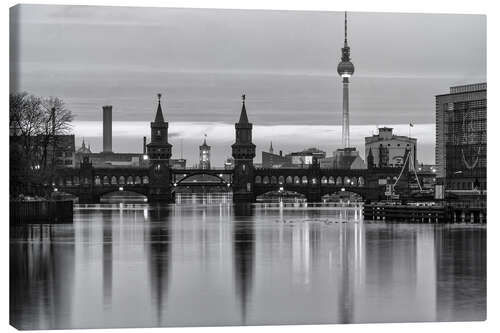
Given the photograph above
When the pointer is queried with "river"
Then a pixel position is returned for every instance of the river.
(209, 263)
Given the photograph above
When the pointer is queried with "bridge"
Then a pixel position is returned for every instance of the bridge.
(159, 182)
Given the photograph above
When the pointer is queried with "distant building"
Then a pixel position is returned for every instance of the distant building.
(270, 160)
(427, 176)
(64, 150)
(205, 155)
(306, 156)
(111, 159)
(461, 137)
(84, 150)
(385, 149)
(344, 158)
(229, 164)
(179, 163)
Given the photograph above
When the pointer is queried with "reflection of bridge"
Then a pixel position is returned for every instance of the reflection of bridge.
(159, 181)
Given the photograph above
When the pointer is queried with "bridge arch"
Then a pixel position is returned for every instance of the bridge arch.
(126, 192)
(210, 175)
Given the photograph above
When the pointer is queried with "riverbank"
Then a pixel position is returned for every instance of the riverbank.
(41, 212)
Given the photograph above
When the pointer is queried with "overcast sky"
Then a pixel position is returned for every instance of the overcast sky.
(202, 60)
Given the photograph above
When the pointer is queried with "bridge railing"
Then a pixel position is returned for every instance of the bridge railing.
(199, 169)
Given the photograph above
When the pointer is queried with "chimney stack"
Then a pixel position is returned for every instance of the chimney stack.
(144, 146)
(107, 129)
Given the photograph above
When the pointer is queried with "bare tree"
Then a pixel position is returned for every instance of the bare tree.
(35, 124)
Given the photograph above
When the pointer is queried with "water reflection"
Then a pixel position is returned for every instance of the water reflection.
(158, 238)
(243, 255)
(217, 264)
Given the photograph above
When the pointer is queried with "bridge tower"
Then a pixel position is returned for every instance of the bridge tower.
(159, 153)
(86, 187)
(243, 154)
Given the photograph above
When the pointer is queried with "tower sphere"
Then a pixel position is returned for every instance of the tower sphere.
(345, 68)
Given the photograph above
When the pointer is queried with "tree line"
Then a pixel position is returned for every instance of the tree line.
(36, 125)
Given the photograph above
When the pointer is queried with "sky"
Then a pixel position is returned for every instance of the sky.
(202, 60)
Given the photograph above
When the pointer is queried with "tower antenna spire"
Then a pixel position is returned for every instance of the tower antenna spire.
(345, 28)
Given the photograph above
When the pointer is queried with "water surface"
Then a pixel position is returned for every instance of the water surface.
(218, 264)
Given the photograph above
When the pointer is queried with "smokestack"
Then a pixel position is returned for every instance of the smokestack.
(144, 146)
(281, 152)
(107, 129)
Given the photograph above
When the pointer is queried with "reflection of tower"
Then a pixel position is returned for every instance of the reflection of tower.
(159, 240)
(345, 70)
(205, 155)
(243, 255)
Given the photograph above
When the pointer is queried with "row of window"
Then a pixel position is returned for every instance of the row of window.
(113, 180)
(304, 180)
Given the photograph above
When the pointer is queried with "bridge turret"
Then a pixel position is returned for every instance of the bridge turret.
(159, 149)
(243, 154)
(159, 153)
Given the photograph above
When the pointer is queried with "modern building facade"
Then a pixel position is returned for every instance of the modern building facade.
(344, 158)
(386, 150)
(461, 137)
(306, 157)
(270, 160)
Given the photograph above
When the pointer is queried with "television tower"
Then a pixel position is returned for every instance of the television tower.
(345, 70)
